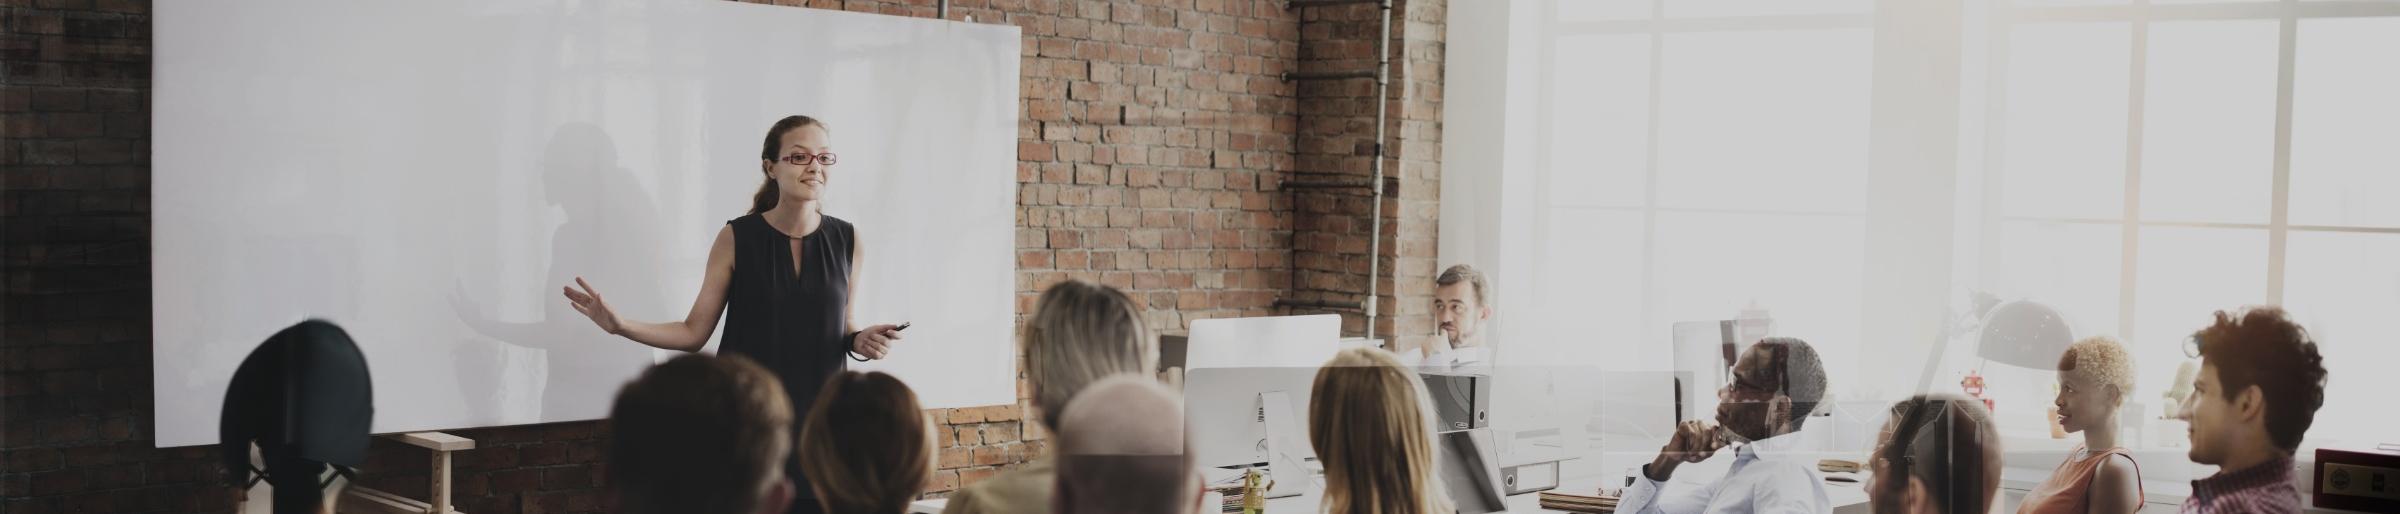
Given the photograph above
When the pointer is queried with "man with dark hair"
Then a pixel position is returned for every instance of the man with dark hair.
(1776, 384)
(701, 434)
(304, 399)
(2260, 384)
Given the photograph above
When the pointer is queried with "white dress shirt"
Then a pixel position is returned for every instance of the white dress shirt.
(1766, 478)
(1450, 359)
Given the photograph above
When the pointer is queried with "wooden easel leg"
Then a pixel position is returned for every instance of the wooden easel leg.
(441, 483)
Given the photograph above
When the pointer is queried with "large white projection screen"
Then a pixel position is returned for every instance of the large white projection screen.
(430, 174)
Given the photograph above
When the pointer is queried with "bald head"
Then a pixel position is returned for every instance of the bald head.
(1122, 449)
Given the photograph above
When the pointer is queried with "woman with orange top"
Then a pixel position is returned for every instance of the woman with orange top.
(2099, 477)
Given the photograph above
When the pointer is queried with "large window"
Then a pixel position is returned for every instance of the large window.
(2137, 164)
(1702, 158)
(2155, 162)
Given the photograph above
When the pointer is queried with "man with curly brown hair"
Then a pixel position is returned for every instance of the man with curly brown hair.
(2261, 381)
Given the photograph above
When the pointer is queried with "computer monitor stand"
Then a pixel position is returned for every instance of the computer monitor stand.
(1286, 465)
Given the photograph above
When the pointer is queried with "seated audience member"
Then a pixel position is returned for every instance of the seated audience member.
(701, 434)
(1776, 384)
(867, 444)
(2098, 477)
(1080, 332)
(2260, 384)
(1372, 428)
(1463, 314)
(1122, 450)
(304, 399)
(1939, 455)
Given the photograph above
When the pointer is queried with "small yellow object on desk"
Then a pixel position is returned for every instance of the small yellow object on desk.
(1838, 466)
(1254, 491)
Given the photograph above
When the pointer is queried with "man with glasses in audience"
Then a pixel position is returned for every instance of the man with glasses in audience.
(1776, 384)
(1461, 312)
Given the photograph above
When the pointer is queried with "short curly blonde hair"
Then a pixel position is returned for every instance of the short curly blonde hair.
(2104, 359)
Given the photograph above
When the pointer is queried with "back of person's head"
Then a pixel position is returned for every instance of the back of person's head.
(1800, 371)
(1941, 454)
(701, 434)
(1082, 332)
(2104, 360)
(1372, 428)
(2262, 347)
(1122, 449)
(305, 399)
(866, 445)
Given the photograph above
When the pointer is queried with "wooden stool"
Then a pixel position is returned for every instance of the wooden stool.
(362, 500)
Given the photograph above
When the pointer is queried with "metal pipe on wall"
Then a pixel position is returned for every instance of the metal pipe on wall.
(1383, 83)
(1383, 95)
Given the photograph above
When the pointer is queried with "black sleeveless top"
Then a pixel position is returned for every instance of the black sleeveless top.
(790, 320)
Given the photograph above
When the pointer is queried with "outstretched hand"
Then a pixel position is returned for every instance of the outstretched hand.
(589, 302)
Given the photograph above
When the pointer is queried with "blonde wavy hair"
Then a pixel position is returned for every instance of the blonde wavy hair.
(1082, 332)
(2105, 360)
(1372, 428)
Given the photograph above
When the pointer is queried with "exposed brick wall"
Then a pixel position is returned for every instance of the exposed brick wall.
(1336, 145)
(1152, 136)
(74, 330)
(1155, 137)
(1331, 238)
(1418, 28)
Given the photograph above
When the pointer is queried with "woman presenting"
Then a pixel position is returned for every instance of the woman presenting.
(782, 276)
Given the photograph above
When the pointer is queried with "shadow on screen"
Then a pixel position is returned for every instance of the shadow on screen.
(610, 237)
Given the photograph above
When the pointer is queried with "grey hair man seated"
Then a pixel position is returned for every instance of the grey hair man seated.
(1122, 449)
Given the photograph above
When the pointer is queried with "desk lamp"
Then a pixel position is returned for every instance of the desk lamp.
(2018, 333)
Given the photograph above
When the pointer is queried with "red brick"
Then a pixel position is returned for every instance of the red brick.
(990, 455)
(1034, 151)
(58, 99)
(516, 481)
(999, 413)
(943, 481)
(1046, 110)
(568, 478)
(1033, 259)
(545, 454)
(967, 477)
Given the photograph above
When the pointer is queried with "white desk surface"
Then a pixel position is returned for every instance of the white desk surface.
(1847, 498)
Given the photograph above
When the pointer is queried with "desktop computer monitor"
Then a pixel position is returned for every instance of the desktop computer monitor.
(1640, 407)
(1263, 341)
(1228, 423)
(1230, 362)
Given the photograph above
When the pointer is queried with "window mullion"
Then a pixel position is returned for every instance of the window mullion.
(2127, 279)
(1658, 52)
(1999, 34)
(2279, 225)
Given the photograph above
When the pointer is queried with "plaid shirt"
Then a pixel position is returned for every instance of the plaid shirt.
(2266, 488)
